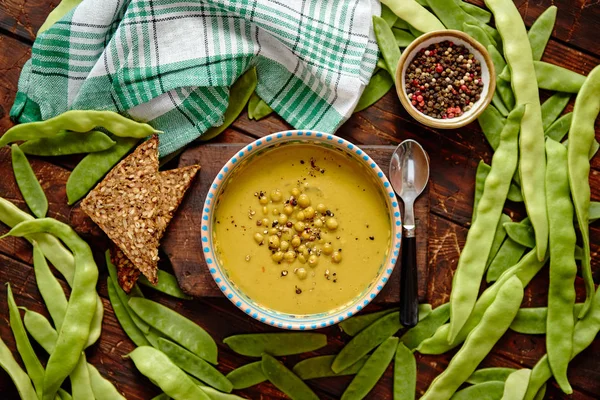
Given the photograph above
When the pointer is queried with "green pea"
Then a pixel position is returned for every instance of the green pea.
(247, 375)
(285, 380)
(553, 107)
(381, 82)
(194, 365)
(387, 45)
(496, 374)
(374, 368)
(560, 127)
(177, 327)
(165, 374)
(540, 32)
(520, 233)
(426, 328)
(276, 344)
(167, 283)
(320, 367)
(64, 143)
(94, 166)
(481, 391)
(367, 340)
(405, 373)
(239, 94)
(30, 187)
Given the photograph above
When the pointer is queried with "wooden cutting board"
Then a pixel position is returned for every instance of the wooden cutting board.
(182, 244)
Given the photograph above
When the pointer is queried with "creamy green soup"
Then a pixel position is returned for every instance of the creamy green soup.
(301, 229)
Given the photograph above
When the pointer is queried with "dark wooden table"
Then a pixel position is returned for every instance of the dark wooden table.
(454, 157)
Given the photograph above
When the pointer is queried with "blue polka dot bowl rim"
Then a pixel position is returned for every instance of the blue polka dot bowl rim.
(276, 318)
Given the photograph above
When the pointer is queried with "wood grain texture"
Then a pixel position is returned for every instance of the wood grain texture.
(182, 240)
(454, 155)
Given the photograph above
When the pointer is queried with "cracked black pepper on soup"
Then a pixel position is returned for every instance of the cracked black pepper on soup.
(443, 80)
(302, 229)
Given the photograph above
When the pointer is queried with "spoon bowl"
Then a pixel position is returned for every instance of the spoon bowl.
(409, 174)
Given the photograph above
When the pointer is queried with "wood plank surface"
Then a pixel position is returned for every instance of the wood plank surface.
(454, 156)
(182, 243)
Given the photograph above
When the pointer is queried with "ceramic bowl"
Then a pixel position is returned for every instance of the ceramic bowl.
(276, 318)
(487, 72)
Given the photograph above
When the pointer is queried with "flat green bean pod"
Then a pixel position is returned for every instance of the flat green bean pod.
(540, 32)
(508, 255)
(30, 187)
(502, 87)
(594, 211)
(563, 270)
(373, 369)
(381, 82)
(492, 123)
(474, 256)
(34, 368)
(405, 373)
(65, 143)
(49, 288)
(124, 297)
(285, 380)
(496, 374)
(515, 386)
(525, 270)
(78, 121)
(165, 374)
(130, 328)
(387, 45)
(553, 107)
(482, 15)
(17, 375)
(103, 389)
(57, 13)
(40, 330)
(214, 394)
(247, 375)
(388, 15)
(194, 365)
(414, 14)
(481, 391)
(520, 233)
(560, 127)
(559, 79)
(413, 337)
(354, 325)
(499, 237)
(239, 94)
(581, 138)
(401, 24)
(533, 320)
(275, 344)
(478, 34)
(403, 38)
(320, 367)
(260, 109)
(495, 321)
(64, 395)
(177, 327)
(366, 340)
(532, 162)
(81, 385)
(92, 168)
(82, 302)
(167, 284)
(162, 396)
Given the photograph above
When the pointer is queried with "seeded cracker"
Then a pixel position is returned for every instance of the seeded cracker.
(174, 185)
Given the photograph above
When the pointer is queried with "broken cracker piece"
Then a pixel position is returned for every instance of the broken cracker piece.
(126, 204)
(174, 184)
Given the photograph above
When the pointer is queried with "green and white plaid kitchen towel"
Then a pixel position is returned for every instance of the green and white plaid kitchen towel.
(170, 62)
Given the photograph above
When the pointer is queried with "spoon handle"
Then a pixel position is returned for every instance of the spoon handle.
(409, 303)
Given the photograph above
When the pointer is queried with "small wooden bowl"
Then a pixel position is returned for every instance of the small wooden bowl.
(488, 75)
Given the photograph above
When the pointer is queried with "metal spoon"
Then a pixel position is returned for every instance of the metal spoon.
(409, 173)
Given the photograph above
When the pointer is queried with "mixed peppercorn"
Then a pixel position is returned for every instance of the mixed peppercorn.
(444, 80)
